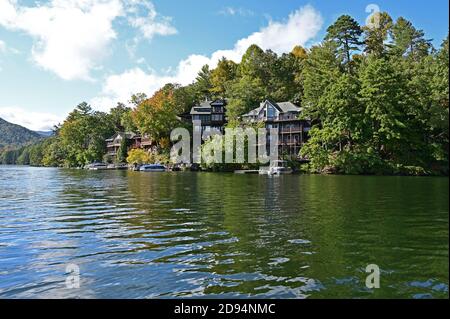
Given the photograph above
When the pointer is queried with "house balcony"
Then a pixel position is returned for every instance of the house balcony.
(291, 130)
(112, 144)
(216, 122)
(281, 143)
(145, 142)
(287, 119)
(290, 143)
(135, 145)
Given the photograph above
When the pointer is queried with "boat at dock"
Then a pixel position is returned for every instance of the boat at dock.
(121, 166)
(96, 166)
(246, 171)
(277, 167)
(153, 168)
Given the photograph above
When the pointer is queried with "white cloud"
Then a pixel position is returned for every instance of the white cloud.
(2, 46)
(143, 16)
(231, 11)
(2, 50)
(6, 50)
(299, 29)
(36, 121)
(120, 87)
(71, 37)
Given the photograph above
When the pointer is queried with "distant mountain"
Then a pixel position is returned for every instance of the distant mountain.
(15, 135)
(44, 133)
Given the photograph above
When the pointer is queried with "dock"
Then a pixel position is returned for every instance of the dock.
(247, 171)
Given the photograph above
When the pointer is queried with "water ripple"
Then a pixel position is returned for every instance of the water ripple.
(207, 235)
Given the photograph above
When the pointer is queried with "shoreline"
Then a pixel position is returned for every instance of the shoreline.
(233, 173)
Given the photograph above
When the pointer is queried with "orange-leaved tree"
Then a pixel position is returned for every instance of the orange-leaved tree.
(158, 115)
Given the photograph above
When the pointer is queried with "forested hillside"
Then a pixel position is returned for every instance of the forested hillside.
(15, 135)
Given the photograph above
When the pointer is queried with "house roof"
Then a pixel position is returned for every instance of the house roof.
(219, 102)
(128, 135)
(200, 110)
(205, 106)
(288, 107)
(254, 112)
(283, 107)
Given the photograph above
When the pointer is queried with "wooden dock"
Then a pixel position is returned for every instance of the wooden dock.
(247, 171)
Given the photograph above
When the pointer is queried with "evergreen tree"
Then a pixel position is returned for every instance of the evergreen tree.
(407, 40)
(321, 69)
(122, 152)
(222, 75)
(203, 84)
(117, 114)
(346, 33)
(383, 94)
(376, 33)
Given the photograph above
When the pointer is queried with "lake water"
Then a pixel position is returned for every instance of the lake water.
(165, 235)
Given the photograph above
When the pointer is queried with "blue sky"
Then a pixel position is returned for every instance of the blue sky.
(61, 52)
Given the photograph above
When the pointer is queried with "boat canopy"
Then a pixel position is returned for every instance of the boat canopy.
(154, 166)
(279, 163)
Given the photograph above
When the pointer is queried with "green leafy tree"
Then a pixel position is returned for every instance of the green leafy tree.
(9, 156)
(83, 135)
(24, 157)
(184, 97)
(283, 83)
(54, 153)
(127, 122)
(157, 116)
(439, 111)
(36, 154)
(336, 141)
(245, 94)
(138, 98)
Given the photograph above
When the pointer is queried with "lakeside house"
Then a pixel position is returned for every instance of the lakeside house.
(133, 141)
(211, 114)
(284, 116)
